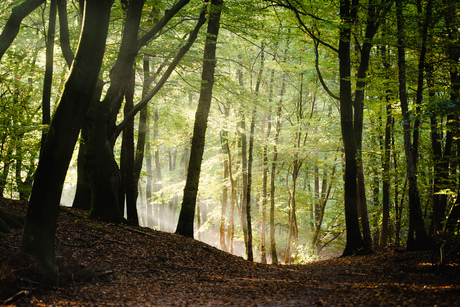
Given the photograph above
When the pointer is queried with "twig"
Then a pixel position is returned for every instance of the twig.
(137, 230)
(16, 297)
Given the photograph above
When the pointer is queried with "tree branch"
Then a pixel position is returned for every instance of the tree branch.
(320, 76)
(18, 13)
(169, 14)
(164, 78)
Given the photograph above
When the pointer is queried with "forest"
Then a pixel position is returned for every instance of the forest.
(282, 131)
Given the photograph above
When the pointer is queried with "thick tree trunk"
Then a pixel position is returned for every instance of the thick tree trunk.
(104, 172)
(187, 213)
(355, 242)
(40, 227)
(105, 177)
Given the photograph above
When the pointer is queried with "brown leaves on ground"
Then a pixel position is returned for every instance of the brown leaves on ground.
(112, 265)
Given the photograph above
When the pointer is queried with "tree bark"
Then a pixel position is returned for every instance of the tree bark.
(128, 156)
(64, 32)
(415, 212)
(48, 79)
(355, 242)
(39, 229)
(187, 213)
(224, 142)
(273, 252)
(263, 248)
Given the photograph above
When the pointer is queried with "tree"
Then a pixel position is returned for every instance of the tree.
(415, 211)
(40, 226)
(187, 213)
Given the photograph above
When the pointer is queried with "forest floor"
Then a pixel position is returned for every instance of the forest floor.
(103, 264)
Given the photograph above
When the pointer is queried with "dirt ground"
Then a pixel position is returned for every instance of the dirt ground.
(104, 264)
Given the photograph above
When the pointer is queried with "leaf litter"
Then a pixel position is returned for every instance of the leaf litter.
(102, 264)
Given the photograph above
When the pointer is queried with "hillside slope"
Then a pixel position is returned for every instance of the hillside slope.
(106, 264)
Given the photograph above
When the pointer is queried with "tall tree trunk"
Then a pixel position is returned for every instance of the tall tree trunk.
(272, 180)
(40, 227)
(453, 53)
(187, 213)
(129, 181)
(231, 226)
(228, 181)
(415, 212)
(108, 109)
(354, 239)
(105, 177)
(223, 211)
(249, 191)
(372, 26)
(244, 170)
(48, 79)
(143, 145)
(244, 162)
(263, 248)
(384, 234)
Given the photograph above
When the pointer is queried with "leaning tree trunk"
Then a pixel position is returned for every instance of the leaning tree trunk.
(187, 213)
(40, 227)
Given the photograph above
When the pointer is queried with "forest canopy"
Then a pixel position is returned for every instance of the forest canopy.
(333, 126)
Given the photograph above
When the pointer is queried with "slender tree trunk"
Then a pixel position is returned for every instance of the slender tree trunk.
(128, 156)
(224, 142)
(263, 248)
(453, 53)
(384, 234)
(228, 181)
(249, 191)
(187, 213)
(272, 181)
(39, 229)
(244, 169)
(64, 36)
(415, 212)
(48, 79)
